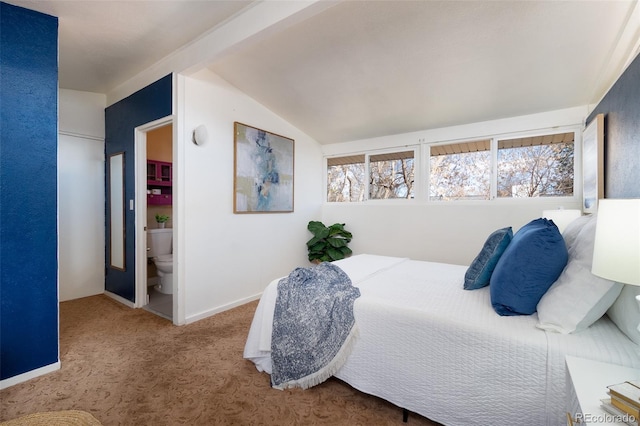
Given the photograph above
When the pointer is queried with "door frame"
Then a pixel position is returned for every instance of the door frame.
(141, 211)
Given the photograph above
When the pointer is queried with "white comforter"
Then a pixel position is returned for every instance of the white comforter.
(429, 346)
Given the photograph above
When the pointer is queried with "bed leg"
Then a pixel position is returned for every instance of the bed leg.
(405, 415)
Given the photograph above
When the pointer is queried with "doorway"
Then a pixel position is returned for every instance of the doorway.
(154, 218)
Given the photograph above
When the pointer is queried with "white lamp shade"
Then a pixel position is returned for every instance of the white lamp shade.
(562, 217)
(616, 252)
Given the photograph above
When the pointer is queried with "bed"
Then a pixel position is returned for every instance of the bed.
(430, 346)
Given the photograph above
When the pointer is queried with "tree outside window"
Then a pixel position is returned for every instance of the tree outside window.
(346, 179)
(536, 167)
(460, 171)
(391, 175)
(523, 167)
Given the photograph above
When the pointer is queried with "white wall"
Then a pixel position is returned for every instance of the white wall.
(230, 258)
(80, 194)
(445, 232)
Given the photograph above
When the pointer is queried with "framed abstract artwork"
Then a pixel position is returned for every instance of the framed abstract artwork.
(263, 171)
(593, 164)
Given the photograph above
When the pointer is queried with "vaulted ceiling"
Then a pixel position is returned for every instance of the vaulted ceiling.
(361, 69)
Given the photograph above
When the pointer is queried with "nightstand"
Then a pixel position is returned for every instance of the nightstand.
(587, 383)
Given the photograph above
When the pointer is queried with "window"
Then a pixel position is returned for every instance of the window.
(391, 175)
(536, 166)
(540, 166)
(460, 171)
(491, 167)
(346, 178)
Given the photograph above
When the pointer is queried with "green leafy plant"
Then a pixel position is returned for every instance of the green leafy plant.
(161, 218)
(329, 243)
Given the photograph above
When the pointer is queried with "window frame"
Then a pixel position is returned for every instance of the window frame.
(325, 173)
(576, 141)
(416, 165)
(417, 185)
(427, 165)
(422, 169)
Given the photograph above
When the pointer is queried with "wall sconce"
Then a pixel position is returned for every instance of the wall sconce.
(199, 135)
(562, 217)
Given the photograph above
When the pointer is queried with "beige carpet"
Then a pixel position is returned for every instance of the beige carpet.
(129, 367)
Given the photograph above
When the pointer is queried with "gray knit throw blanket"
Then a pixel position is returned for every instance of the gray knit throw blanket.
(313, 326)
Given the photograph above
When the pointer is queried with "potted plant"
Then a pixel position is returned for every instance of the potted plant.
(329, 243)
(161, 219)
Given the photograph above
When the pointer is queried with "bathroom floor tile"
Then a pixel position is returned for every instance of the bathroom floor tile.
(160, 304)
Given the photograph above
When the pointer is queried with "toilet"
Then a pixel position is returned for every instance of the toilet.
(159, 250)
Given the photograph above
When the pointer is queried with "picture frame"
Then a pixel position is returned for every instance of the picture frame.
(263, 171)
(593, 164)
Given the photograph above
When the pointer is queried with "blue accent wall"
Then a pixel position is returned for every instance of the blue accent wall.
(621, 109)
(146, 105)
(28, 190)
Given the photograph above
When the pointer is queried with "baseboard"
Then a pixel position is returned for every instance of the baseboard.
(120, 299)
(29, 375)
(217, 310)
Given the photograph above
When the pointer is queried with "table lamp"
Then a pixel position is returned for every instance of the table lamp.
(562, 217)
(616, 257)
(616, 251)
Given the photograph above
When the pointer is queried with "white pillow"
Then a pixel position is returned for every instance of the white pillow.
(625, 312)
(578, 298)
(572, 230)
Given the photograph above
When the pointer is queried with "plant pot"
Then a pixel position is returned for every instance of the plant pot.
(160, 225)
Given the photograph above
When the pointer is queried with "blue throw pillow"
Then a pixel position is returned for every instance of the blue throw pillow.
(482, 267)
(532, 262)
